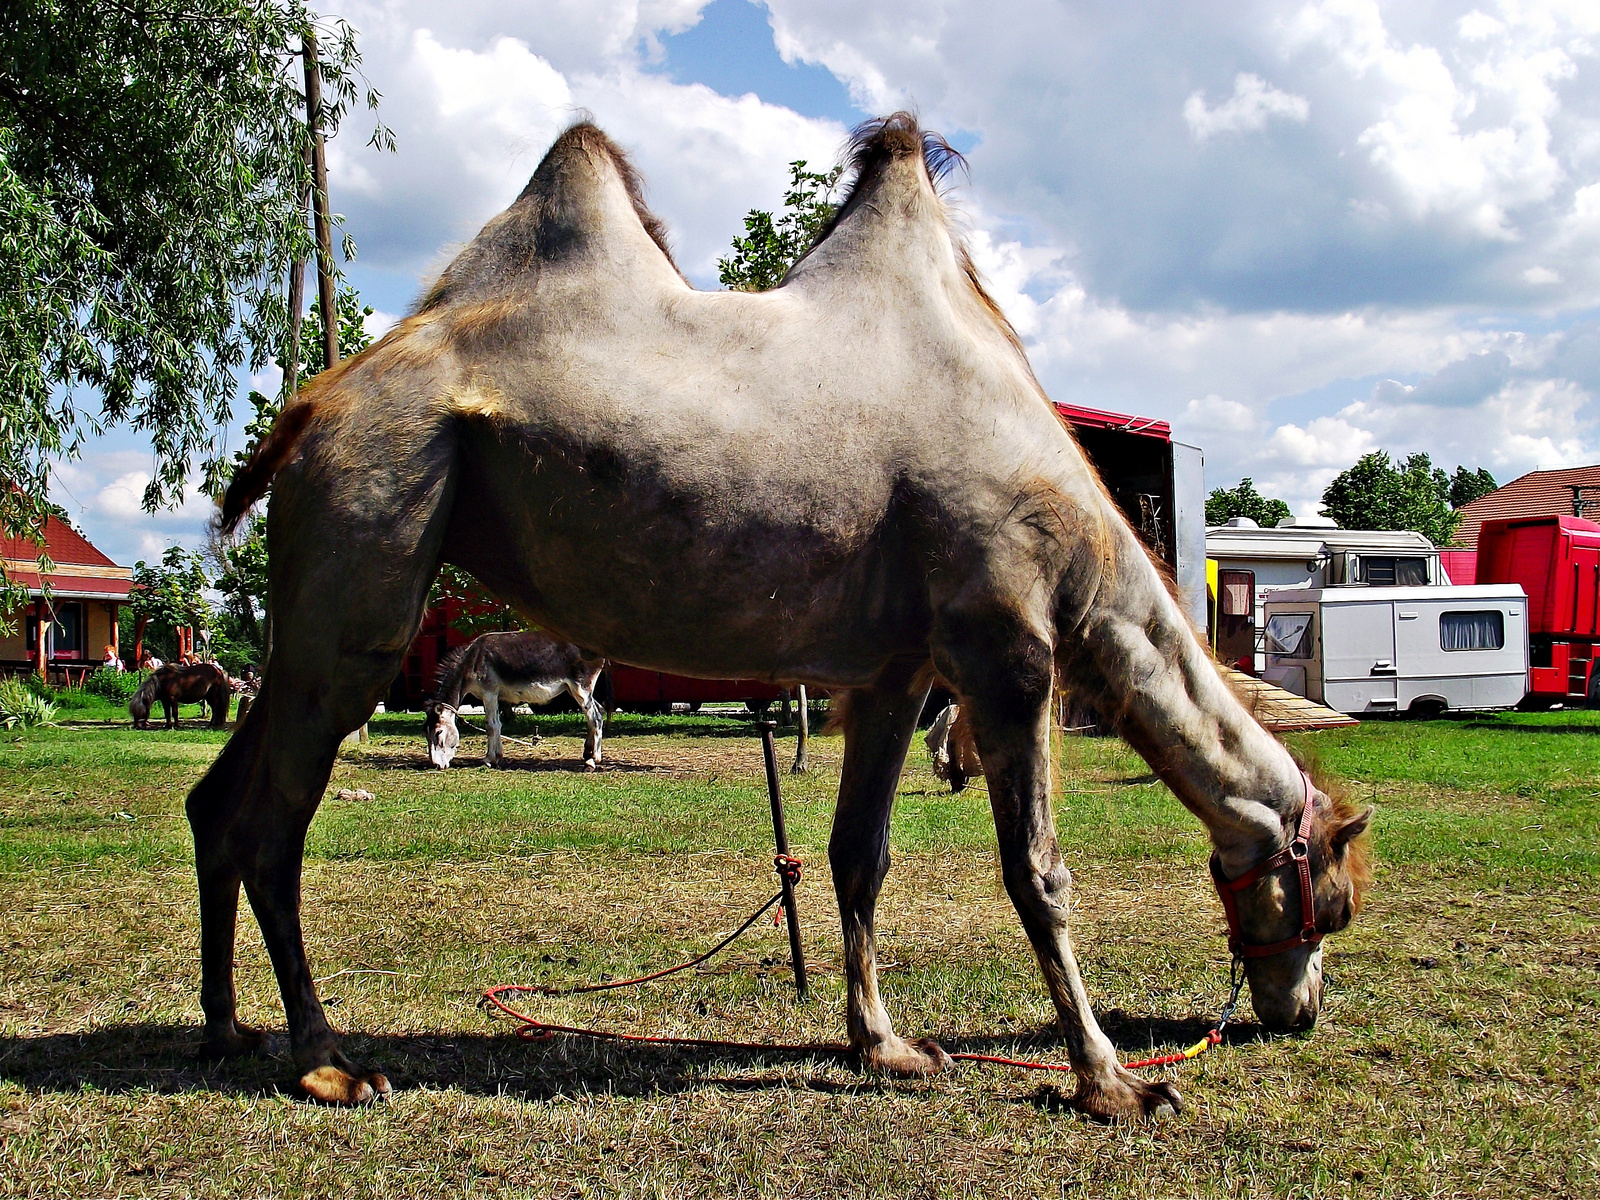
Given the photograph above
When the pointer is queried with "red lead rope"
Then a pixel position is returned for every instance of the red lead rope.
(532, 1029)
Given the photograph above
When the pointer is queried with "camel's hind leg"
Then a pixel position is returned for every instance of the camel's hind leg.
(1005, 675)
(878, 731)
(343, 622)
(211, 808)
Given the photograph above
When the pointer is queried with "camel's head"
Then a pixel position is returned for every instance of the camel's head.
(1286, 987)
(444, 739)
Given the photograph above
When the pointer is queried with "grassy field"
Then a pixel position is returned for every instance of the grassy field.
(1456, 1056)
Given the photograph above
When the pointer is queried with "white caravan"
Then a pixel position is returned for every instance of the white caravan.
(1364, 650)
(1248, 564)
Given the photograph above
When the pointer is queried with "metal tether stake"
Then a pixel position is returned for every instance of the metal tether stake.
(769, 755)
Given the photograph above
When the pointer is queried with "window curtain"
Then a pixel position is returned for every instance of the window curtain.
(1411, 572)
(1472, 630)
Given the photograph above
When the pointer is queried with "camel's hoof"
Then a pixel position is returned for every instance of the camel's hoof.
(330, 1085)
(1128, 1098)
(921, 1056)
(234, 1041)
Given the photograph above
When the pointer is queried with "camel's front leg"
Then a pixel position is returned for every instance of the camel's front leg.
(491, 721)
(878, 733)
(1014, 744)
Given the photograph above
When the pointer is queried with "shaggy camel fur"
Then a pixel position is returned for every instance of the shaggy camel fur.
(735, 485)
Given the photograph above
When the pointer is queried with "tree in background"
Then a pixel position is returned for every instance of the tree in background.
(763, 256)
(240, 560)
(240, 564)
(152, 181)
(167, 596)
(1467, 486)
(1379, 493)
(476, 609)
(1244, 501)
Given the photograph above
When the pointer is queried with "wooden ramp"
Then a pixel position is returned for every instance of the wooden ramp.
(1281, 711)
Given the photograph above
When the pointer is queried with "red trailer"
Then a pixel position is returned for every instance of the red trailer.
(639, 690)
(1557, 561)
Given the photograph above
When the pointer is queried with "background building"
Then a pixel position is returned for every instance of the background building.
(80, 618)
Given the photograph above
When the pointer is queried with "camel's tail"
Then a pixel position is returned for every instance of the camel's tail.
(250, 482)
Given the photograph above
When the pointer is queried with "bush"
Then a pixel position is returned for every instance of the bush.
(113, 685)
(21, 707)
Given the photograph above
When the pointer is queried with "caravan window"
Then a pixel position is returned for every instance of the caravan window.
(1393, 572)
(1238, 592)
(1289, 635)
(1472, 630)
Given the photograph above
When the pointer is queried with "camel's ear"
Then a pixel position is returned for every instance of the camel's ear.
(1352, 829)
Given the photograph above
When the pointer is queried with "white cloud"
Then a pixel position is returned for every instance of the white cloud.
(1468, 134)
(123, 498)
(1254, 102)
(377, 323)
(1287, 301)
(1327, 442)
(474, 119)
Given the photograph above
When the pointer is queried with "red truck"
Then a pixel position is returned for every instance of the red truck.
(1557, 561)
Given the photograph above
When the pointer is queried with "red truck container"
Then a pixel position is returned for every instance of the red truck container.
(639, 690)
(1557, 561)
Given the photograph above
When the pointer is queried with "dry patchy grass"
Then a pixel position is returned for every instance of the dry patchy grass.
(1456, 1056)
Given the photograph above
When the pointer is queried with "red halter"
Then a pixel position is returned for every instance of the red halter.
(1299, 852)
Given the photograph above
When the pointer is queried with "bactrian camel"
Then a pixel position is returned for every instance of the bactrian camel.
(850, 481)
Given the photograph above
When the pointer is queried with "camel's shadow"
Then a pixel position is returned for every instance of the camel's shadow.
(164, 1058)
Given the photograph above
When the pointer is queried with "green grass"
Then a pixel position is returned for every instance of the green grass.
(1456, 1056)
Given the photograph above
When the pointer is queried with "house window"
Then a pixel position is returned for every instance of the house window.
(1395, 572)
(1472, 630)
(1289, 635)
(66, 633)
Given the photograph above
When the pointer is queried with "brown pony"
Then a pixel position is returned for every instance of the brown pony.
(183, 685)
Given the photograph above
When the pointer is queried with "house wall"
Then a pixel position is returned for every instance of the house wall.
(98, 630)
(15, 645)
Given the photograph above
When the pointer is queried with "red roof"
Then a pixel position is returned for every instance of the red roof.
(1536, 494)
(64, 543)
(72, 552)
(1100, 418)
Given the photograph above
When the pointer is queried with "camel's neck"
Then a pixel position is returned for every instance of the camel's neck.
(1137, 652)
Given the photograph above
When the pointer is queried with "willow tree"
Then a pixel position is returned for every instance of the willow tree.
(153, 177)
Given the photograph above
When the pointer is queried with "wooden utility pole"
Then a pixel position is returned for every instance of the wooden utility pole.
(320, 219)
(319, 208)
(297, 301)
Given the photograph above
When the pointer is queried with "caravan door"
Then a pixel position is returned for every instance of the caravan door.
(1358, 665)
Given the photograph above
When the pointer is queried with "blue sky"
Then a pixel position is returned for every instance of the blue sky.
(1298, 230)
